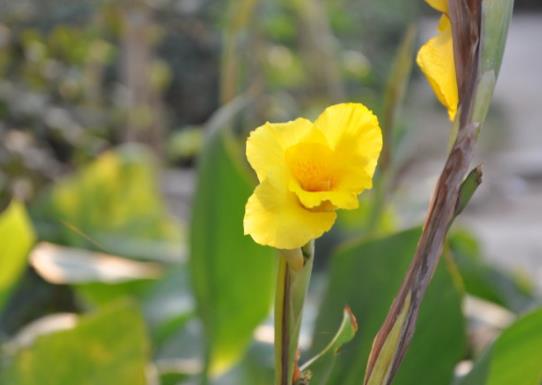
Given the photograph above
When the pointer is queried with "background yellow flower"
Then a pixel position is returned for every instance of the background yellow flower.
(436, 60)
(307, 171)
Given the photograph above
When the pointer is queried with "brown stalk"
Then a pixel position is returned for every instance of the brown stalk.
(465, 17)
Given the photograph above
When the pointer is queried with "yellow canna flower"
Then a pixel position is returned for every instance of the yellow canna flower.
(436, 60)
(308, 170)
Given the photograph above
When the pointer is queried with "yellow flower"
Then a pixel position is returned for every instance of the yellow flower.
(436, 60)
(308, 170)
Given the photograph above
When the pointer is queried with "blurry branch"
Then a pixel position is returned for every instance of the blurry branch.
(239, 15)
(255, 69)
(223, 117)
(319, 47)
(451, 192)
(143, 102)
(393, 99)
(395, 92)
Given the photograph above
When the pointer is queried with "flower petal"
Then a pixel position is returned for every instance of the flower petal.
(274, 217)
(267, 143)
(436, 60)
(354, 134)
(439, 5)
(339, 199)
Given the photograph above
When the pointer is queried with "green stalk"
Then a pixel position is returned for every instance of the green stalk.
(294, 273)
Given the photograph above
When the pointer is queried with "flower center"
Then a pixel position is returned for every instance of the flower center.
(311, 166)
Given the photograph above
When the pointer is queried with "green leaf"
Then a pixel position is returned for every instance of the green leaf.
(496, 16)
(367, 276)
(108, 347)
(468, 188)
(16, 239)
(514, 358)
(321, 365)
(111, 205)
(232, 277)
(483, 280)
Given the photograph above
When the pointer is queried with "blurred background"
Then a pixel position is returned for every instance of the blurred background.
(115, 198)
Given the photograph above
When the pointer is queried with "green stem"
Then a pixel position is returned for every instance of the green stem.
(292, 285)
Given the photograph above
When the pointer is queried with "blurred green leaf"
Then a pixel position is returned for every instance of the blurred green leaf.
(358, 222)
(185, 144)
(514, 358)
(111, 205)
(108, 347)
(69, 265)
(232, 276)
(484, 280)
(256, 367)
(172, 378)
(366, 276)
(98, 277)
(16, 239)
(94, 294)
(168, 305)
(321, 365)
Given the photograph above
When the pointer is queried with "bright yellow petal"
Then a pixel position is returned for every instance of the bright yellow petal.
(439, 5)
(354, 134)
(436, 60)
(337, 198)
(267, 143)
(274, 217)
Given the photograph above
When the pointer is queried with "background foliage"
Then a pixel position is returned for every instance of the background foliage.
(123, 184)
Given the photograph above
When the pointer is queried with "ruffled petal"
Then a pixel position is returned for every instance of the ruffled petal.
(354, 134)
(436, 60)
(274, 217)
(338, 199)
(439, 5)
(267, 143)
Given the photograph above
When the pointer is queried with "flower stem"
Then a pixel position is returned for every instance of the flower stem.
(292, 284)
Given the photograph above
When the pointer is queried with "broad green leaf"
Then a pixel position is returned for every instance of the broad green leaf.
(320, 365)
(16, 239)
(514, 358)
(108, 347)
(232, 277)
(366, 276)
(111, 205)
(484, 280)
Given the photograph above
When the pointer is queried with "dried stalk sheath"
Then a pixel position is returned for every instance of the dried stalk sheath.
(465, 16)
(441, 214)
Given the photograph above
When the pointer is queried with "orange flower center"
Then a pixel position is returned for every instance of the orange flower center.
(311, 164)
